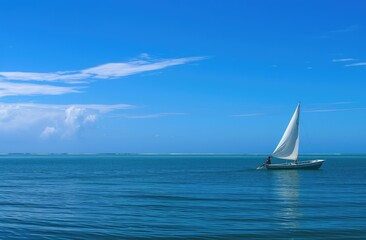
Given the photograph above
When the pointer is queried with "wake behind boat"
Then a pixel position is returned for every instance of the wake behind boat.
(288, 149)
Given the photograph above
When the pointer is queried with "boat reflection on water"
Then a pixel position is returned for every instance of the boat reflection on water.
(286, 193)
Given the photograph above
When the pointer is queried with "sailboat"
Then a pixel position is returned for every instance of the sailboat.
(288, 148)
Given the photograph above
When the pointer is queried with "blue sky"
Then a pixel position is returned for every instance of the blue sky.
(181, 76)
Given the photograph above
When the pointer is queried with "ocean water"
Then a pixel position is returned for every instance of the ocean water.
(179, 197)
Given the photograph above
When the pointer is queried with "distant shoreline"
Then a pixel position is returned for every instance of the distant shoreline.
(172, 154)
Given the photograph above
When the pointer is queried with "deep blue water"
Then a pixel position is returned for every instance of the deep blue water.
(189, 197)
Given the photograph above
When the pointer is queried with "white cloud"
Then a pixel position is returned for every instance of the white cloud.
(90, 118)
(105, 71)
(48, 131)
(67, 119)
(343, 60)
(145, 63)
(155, 115)
(356, 64)
(73, 118)
(16, 89)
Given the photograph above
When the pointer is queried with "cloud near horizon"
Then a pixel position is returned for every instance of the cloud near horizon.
(64, 120)
(47, 132)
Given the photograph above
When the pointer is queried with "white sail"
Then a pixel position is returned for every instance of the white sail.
(288, 148)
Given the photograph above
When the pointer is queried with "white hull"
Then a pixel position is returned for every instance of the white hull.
(311, 164)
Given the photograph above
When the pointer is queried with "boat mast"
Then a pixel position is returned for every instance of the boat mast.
(298, 129)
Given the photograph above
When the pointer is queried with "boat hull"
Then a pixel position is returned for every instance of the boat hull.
(312, 164)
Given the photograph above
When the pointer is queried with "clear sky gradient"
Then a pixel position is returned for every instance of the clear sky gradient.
(181, 76)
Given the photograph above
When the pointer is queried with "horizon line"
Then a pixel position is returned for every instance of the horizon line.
(152, 153)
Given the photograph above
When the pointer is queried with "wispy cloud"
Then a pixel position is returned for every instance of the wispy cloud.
(144, 63)
(16, 89)
(104, 71)
(333, 110)
(155, 115)
(64, 120)
(340, 31)
(347, 29)
(343, 60)
(356, 64)
(342, 103)
(247, 115)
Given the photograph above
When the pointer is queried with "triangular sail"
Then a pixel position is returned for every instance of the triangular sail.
(288, 148)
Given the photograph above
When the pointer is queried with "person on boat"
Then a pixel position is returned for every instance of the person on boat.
(268, 160)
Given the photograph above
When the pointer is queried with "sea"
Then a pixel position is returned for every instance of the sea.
(151, 196)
